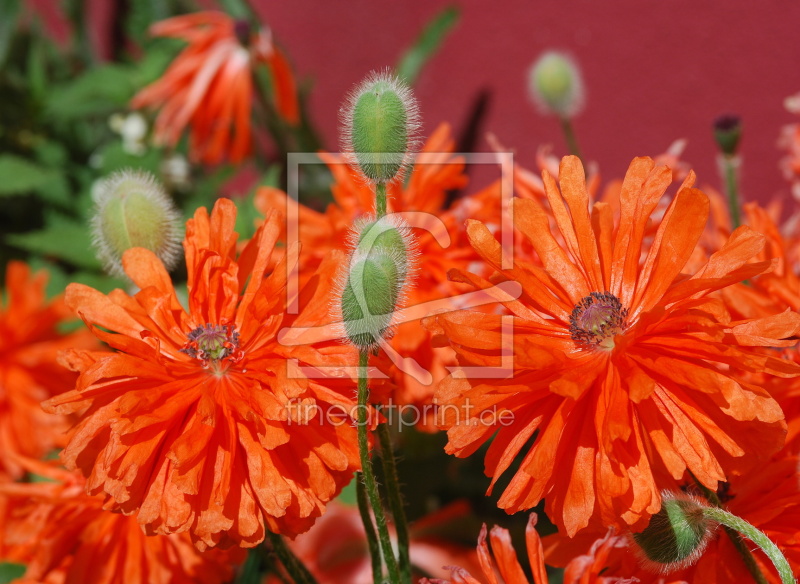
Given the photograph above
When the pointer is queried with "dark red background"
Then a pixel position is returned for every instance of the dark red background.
(654, 70)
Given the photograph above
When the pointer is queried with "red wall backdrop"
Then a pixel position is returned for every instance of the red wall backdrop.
(654, 70)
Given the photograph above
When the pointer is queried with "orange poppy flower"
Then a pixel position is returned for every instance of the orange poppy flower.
(768, 499)
(335, 550)
(209, 86)
(203, 420)
(500, 559)
(29, 371)
(621, 363)
(63, 535)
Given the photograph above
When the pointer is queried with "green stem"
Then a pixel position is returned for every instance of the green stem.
(730, 171)
(736, 539)
(380, 199)
(369, 477)
(758, 537)
(570, 137)
(294, 567)
(395, 501)
(369, 529)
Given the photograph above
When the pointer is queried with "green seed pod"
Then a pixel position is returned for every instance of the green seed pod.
(677, 535)
(555, 85)
(132, 210)
(372, 288)
(380, 119)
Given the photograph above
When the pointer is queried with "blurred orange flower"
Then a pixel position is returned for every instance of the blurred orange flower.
(335, 549)
(203, 420)
(64, 535)
(621, 363)
(29, 373)
(209, 86)
(501, 559)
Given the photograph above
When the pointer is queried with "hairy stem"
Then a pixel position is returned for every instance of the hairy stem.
(294, 567)
(380, 199)
(729, 165)
(733, 535)
(370, 485)
(395, 501)
(570, 137)
(740, 526)
(369, 529)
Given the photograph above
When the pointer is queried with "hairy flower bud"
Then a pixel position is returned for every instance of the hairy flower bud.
(372, 287)
(677, 535)
(556, 85)
(132, 210)
(380, 119)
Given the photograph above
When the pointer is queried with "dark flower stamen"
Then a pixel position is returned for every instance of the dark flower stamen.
(597, 318)
(213, 343)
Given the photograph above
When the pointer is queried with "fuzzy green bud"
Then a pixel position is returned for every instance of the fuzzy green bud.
(556, 86)
(388, 236)
(373, 285)
(369, 300)
(380, 119)
(677, 535)
(132, 210)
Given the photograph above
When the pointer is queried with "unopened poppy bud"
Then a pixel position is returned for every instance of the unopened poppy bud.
(727, 133)
(369, 300)
(380, 119)
(555, 85)
(373, 286)
(132, 210)
(389, 235)
(677, 535)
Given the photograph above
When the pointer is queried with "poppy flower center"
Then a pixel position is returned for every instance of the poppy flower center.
(243, 31)
(596, 319)
(212, 344)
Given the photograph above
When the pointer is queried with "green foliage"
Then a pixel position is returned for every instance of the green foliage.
(427, 44)
(247, 214)
(62, 239)
(10, 572)
(10, 10)
(18, 175)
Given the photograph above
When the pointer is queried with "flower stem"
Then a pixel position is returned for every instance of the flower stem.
(729, 167)
(380, 199)
(395, 501)
(736, 539)
(740, 526)
(570, 137)
(370, 485)
(369, 529)
(294, 567)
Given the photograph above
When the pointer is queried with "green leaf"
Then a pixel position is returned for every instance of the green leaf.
(63, 239)
(10, 572)
(159, 54)
(19, 175)
(114, 157)
(426, 45)
(10, 9)
(348, 494)
(99, 91)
